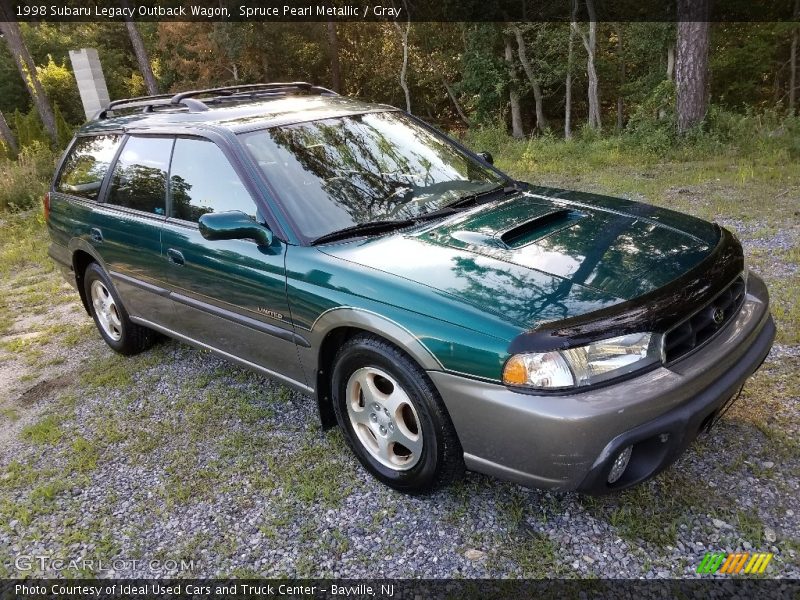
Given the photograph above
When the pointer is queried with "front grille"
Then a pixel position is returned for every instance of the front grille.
(705, 323)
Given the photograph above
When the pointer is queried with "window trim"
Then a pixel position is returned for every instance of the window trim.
(106, 187)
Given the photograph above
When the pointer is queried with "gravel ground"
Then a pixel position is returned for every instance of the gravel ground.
(176, 455)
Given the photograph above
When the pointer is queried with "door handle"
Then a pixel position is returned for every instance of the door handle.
(175, 256)
(96, 235)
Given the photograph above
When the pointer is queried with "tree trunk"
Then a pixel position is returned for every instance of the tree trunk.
(333, 49)
(7, 135)
(541, 122)
(671, 62)
(568, 83)
(793, 61)
(454, 100)
(590, 44)
(691, 71)
(594, 92)
(404, 69)
(141, 55)
(516, 114)
(27, 70)
(620, 100)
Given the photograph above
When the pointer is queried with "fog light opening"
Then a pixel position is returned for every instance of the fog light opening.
(620, 464)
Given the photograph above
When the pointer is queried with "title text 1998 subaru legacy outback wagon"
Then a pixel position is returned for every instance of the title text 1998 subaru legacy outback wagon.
(442, 313)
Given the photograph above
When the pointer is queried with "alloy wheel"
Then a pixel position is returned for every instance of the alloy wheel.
(106, 310)
(384, 418)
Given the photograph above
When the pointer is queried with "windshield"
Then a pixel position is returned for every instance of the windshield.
(337, 173)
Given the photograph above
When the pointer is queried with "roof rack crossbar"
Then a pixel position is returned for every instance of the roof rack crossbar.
(233, 89)
(189, 100)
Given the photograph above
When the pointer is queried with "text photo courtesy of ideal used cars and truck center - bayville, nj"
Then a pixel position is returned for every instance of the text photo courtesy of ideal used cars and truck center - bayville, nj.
(399, 300)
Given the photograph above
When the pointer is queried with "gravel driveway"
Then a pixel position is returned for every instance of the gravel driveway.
(177, 455)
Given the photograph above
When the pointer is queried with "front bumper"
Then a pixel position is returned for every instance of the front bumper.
(568, 442)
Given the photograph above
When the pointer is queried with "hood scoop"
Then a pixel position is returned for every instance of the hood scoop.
(539, 227)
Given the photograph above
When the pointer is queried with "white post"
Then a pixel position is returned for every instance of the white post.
(90, 79)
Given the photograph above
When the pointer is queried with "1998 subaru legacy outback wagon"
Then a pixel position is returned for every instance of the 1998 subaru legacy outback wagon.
(442, 313)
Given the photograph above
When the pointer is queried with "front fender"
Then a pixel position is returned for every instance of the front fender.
(361, 318)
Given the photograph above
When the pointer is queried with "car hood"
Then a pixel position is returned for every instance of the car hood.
(543, 254)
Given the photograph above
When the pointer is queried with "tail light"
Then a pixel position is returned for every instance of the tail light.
(46, 205)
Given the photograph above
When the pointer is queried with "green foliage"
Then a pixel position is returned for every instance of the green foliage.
(23, 182)
(28, 128)
(652, 127)
(485, 75)
(13, 94)
(59, 83)
(64, 131)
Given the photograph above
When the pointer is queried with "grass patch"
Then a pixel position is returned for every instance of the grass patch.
(19, 475)
(321, 472)
(24, 242)
(46, 431)
(117, 371)
(534, 554)
(83, 455)
(112, 372)
(655, 510)
(11, 414)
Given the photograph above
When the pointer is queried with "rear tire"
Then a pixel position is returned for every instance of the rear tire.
(393, 417)
(110, 316)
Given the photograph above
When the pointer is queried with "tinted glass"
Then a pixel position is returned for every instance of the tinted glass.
(86, 166)
(336, 173)
(140, 175)
(203, 181)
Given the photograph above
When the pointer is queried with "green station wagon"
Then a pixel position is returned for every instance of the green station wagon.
(443, 314)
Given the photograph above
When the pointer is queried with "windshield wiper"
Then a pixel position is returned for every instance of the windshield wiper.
(468, 199)
(371, 227)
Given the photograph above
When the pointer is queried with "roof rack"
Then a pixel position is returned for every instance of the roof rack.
(218, 94)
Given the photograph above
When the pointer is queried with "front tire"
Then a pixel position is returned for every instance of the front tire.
(110, 316)
(393, 418)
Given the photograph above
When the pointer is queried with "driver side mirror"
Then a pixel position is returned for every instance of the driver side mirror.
(233, 225)
(487, 156)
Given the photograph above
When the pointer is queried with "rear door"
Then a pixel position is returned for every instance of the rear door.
(228, 294)
(125, 228)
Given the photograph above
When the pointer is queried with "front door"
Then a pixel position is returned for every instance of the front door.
(228, 294)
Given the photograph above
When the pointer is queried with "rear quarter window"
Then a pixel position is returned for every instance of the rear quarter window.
(86, 166)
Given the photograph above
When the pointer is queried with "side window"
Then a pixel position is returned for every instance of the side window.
(140, 175)
(203, 181)
(86, 166)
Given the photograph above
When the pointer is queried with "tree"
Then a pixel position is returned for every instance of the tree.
(793, 60)
(516, 114)
(691, 71)
(568, 82)
(590, 45)
(403, 31)
(27, 70)
(621, 67)
(142, 56)
(333, 49)
(541, 122)
(7, 136)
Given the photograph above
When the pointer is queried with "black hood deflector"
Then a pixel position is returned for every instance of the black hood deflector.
(656, 311)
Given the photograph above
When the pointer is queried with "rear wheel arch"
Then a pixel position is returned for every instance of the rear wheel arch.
(80, 261)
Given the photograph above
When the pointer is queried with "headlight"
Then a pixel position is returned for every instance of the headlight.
(585, 365)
